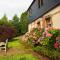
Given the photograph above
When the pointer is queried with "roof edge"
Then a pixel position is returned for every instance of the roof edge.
(31, 5)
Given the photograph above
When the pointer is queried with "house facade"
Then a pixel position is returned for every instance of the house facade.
(43, 13)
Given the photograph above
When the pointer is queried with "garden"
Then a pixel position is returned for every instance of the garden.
(37, 45)
(17, 50)
(12, 30)
(48, 45)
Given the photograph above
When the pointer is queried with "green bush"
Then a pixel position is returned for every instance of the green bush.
(30, 41)
(55, 32)
(37, 32)
(45, 41)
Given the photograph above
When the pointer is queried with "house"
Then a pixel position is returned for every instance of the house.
(45, 13)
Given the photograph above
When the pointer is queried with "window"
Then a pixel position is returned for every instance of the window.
(48, 21)
(38, 23)
(40, 3)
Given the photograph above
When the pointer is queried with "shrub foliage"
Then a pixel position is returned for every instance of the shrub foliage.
(6, 32)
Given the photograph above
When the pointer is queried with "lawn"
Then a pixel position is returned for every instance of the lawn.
(19, 47)
(14, 43)
(19, 57)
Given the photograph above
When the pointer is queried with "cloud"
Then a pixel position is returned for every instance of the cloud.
(11, 7)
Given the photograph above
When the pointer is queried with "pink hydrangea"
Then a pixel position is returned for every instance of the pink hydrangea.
(56, 45)
(49, 35)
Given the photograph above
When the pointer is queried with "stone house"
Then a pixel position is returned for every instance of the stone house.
(47, 12)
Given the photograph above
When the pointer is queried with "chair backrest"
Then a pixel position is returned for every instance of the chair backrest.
(6, 41)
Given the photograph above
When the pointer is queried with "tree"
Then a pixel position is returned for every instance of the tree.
(15, 18)
(4, 20)
(24, 22)
(16, 23)
(7, 29)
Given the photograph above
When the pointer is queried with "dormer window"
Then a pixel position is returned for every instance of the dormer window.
(40, 3)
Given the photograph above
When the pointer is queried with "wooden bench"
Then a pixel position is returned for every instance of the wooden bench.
(3, 45)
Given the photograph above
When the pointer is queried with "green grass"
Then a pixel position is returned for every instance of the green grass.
(14, 43)
(19, 57)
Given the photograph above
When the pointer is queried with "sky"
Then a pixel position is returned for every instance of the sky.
(12, 7)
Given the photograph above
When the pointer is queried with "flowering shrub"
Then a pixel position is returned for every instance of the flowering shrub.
(50, 45)
(54, 40)
(49, 35)
(6, 32)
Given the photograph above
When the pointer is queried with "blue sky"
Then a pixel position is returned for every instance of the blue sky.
(11, 7)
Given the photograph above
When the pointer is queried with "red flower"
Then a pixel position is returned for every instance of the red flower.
(56, 45)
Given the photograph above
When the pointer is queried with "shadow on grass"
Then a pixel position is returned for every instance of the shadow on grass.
(11, 40)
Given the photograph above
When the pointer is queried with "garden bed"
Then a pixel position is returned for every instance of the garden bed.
(49, 46)
(50, 53)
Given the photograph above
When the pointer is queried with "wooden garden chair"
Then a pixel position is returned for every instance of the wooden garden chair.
(3, 45)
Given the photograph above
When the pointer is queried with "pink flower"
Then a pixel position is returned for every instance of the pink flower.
(49, 35)
(56, 45)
